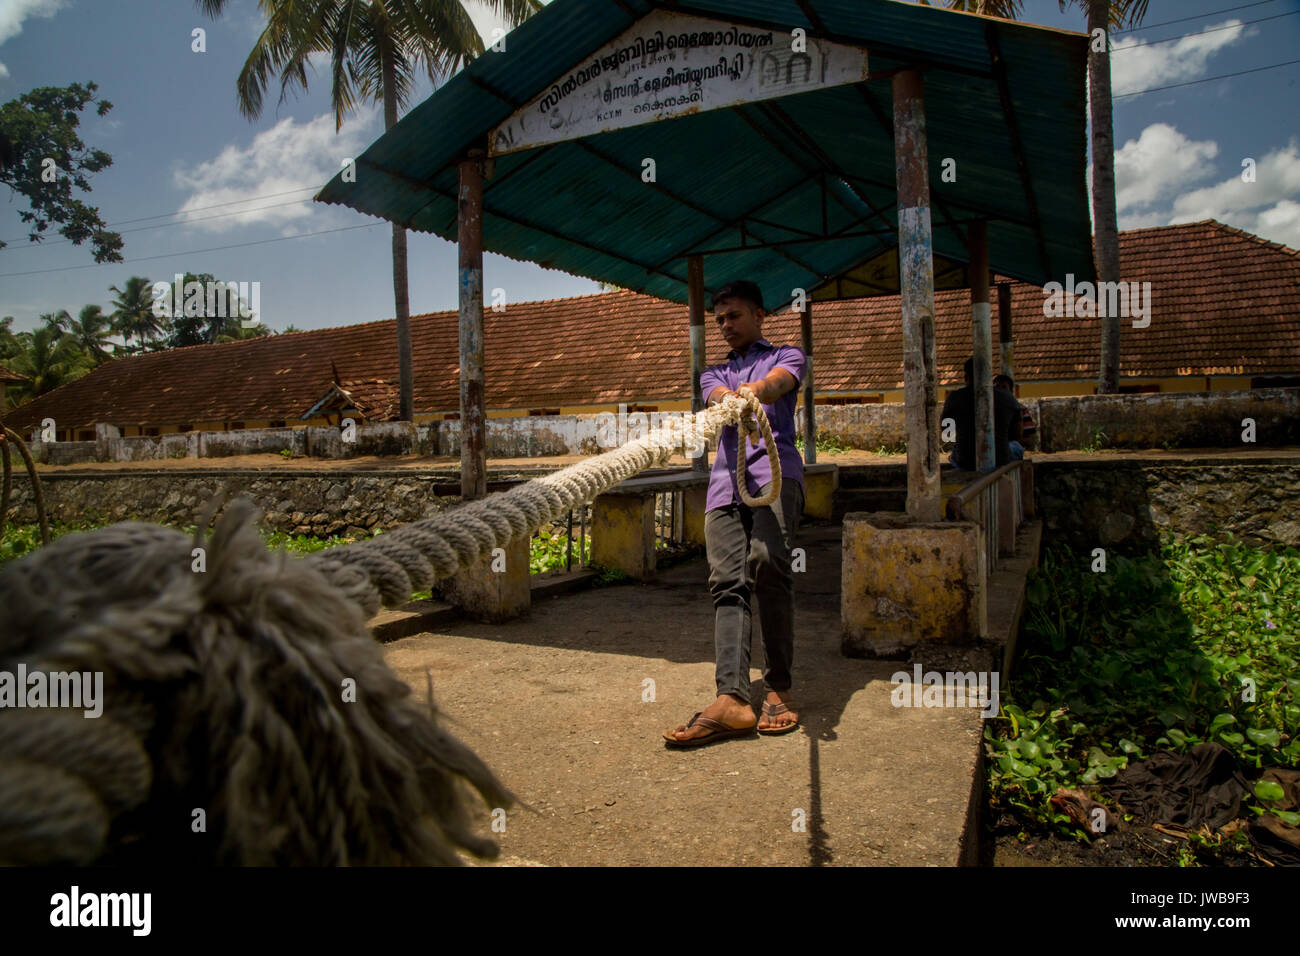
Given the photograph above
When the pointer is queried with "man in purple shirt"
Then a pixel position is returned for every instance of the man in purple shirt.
(749, 548)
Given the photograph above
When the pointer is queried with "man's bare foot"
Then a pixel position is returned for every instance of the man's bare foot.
(785, 718)
(726, 709)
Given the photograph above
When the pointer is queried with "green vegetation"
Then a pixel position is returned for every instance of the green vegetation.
(547, 549)
(892, 448)
(830, 444)
(1096, 443)
(1159, 652)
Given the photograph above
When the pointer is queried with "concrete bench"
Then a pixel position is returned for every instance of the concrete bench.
(623, 518)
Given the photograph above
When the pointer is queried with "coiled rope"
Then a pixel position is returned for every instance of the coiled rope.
(227, 735)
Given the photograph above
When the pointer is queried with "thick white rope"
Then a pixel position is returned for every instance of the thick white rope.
(387, 570)
(222, 688)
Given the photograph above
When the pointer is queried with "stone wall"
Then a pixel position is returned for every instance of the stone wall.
(1173, 420)
(1123, 502)
(1187, 420)
(321, 504)
(862, 426)
(1128, 503)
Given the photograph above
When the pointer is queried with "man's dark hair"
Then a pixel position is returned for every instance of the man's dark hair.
(740, 289)
(1002, 379)
(969, 368)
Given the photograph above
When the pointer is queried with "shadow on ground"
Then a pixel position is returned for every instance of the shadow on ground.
(569, 706)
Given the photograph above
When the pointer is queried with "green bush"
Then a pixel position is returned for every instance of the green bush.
(1155, 653)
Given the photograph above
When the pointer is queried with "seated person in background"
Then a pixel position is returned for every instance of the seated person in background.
(960, 406)
(1027, 427)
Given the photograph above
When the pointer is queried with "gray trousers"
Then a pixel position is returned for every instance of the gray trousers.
(749, 555)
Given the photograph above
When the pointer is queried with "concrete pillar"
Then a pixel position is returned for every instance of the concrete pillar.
(819, 484)
(985, 449)
(469, 243)
(907, 583)
(693, 502)
(1004, 329)
(916, 279)
(695, 293)
(494, 589)
(623, 533)
(809, 409)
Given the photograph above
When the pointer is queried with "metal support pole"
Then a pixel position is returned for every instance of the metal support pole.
(469, 242)
(695, 292)
(1004, 329)
(809, 410)
(916, 278)
(985, 449)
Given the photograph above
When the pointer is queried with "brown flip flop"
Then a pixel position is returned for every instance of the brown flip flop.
(770, 711)
(720, 732)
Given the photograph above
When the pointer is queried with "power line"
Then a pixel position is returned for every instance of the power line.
(1199, 16)
(162, 225)
(216, 205)
(1184, 36)
(1205, 79)
(192, 252)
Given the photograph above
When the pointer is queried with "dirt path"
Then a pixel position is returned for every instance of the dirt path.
(554, 704)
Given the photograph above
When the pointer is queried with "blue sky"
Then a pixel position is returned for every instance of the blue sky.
(183, 155)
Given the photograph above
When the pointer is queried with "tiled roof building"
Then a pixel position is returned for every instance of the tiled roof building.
(1224, 313)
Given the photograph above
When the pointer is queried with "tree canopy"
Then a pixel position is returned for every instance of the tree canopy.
(44, 158)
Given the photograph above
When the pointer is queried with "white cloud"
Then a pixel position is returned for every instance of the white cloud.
(1134, 66)
(14, 12)
(1266, 207)
(286, 157)
(1158, 164)
(486, 19)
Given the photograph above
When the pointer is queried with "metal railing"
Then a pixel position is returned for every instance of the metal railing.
(582, 538)
(668, 516)
(995, 503)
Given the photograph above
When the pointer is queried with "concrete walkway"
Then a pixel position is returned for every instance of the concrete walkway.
(554, 703)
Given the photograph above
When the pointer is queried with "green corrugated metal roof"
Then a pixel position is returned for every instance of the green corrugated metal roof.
(582, 207)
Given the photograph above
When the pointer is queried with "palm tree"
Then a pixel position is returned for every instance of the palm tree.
(1102, 15)
(1006, 9)
(90, 331)
(9, 344)
(49, 358)
(376, 47)
(132, 314)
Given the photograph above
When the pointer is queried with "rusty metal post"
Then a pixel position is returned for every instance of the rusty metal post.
(809, 412)
(1004, 329)
(695, 292)
(916, 280)
(469, 243)
(981, 323)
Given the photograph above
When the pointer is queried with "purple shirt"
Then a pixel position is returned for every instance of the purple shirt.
(755, 364)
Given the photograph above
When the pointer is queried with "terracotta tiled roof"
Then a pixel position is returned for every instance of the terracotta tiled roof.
(1224, 302)
(375, 399)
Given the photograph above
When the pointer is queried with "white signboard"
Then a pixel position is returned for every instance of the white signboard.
(673, 64)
